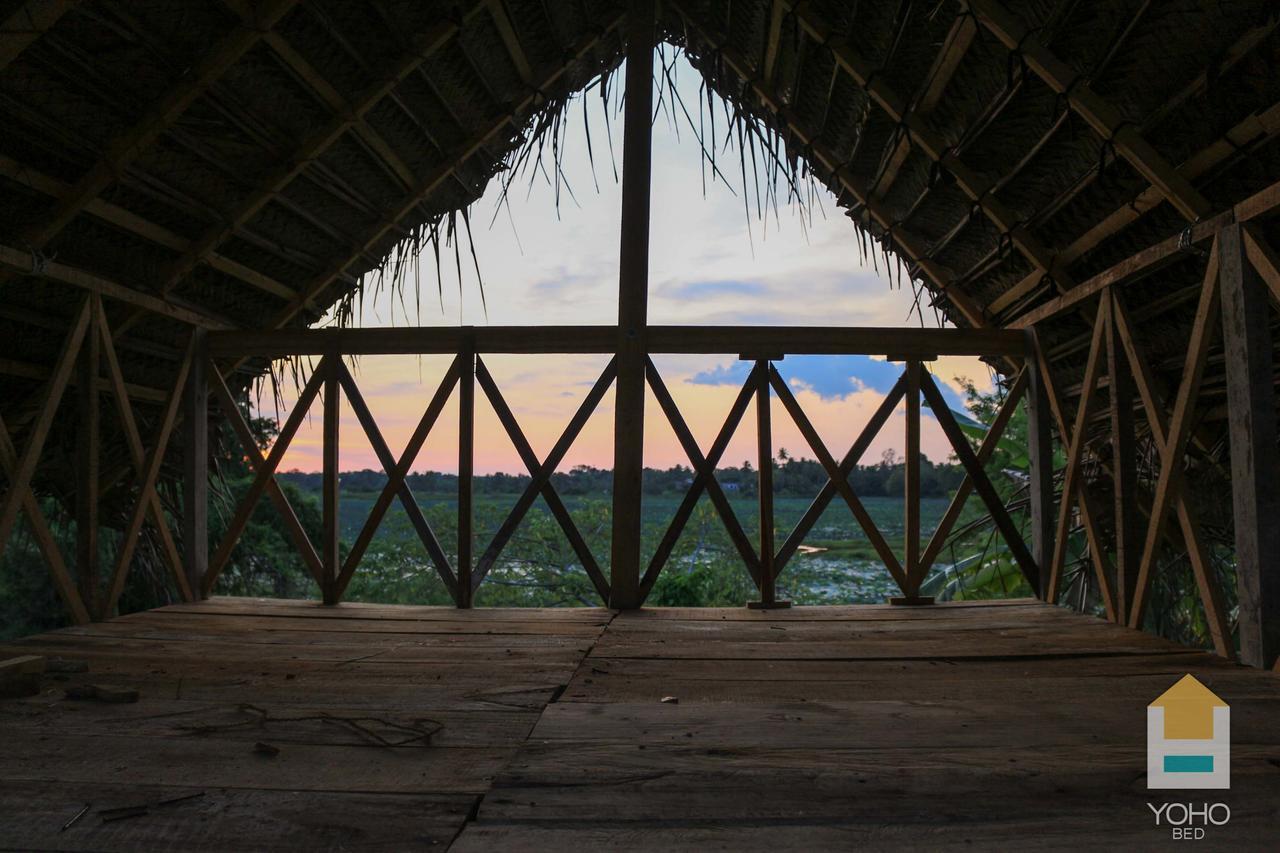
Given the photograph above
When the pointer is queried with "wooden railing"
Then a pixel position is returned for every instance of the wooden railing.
(763, 558)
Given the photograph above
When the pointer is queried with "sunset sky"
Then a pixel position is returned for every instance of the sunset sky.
(709, 264)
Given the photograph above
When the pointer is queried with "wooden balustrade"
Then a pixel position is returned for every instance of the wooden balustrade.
(763, 559)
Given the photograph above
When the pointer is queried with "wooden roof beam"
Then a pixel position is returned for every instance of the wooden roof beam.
(131, 222)
(978, 189)
(1105, 119)
(502, 20)
(310, 149)
(20, 262)
(1255, 129)
(953, 51)
(773, 41)
(910, 246)
(425, 186)
(26, 24)
(122, 150)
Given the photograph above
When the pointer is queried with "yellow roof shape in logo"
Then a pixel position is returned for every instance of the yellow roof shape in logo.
(1188, 710)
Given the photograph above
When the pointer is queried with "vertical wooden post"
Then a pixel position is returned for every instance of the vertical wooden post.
(764, 491)
(88, 457)
(466, 469)
(911, 476)
(1040, 463)
(1255, 463)
(1124, 477)
(633, 295)
(195, 479)
(331, 558)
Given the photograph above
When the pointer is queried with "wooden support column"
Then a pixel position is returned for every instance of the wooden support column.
(911, 475)
(1040, 459)
(195, 467)
(764, 491)
(88, 467)
(633, 296)
(466, 469)
(331, 558)
(1124, 476)
(1255, 462)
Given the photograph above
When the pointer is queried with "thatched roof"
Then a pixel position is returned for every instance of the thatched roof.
(244, 164)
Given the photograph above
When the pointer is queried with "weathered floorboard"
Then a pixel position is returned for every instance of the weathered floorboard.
(967, 724)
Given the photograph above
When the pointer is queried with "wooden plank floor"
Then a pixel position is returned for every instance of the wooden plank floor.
(1004, 724)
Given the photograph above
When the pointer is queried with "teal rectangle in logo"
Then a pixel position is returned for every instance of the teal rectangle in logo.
(1188, 764)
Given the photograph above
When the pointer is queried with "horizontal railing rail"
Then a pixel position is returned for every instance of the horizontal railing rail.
(463, 572)
(695, 340)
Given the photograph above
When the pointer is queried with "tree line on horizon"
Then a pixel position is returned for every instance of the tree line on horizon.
(792, 477)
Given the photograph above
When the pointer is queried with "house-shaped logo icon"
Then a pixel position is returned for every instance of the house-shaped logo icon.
(1188, 738)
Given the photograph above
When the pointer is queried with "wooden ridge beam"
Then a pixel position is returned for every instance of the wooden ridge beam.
(125, 147)
(1106, 121)
(908, 245)
(426, 185)
(27, 23)
(978, 189)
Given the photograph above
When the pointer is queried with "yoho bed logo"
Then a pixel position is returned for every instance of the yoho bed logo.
(1188, 738)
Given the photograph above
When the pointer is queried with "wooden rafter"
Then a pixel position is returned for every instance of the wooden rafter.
(26, 24)
(773, 41)
(124, 148)
(131, 222)
(1255, 128)
(25, 263)
(1105, 119)
(511, 41)
(426, 185)
(908, 245)
(945, 65)
(974, 186)
(347, 117)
